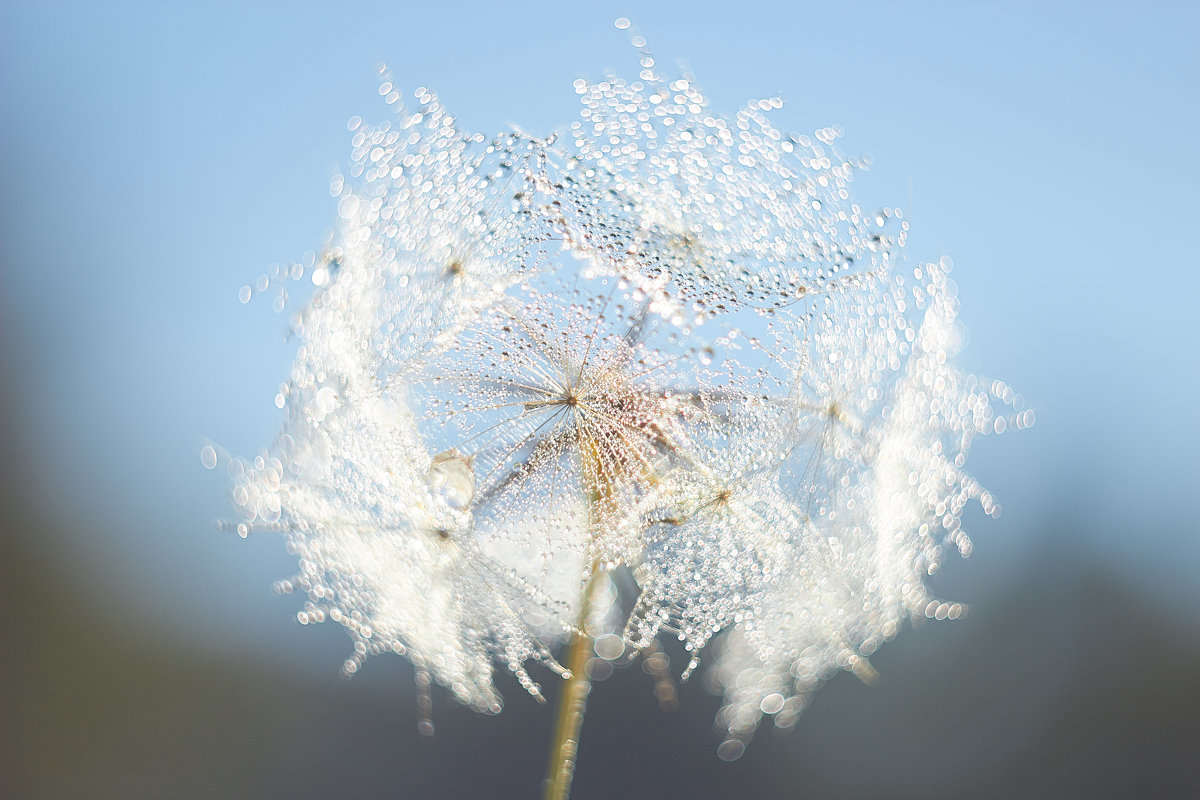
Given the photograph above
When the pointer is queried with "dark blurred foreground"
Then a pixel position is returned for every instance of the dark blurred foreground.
(1067, 687)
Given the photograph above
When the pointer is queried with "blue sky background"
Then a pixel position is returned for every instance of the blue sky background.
(158, 157)
(154, 158)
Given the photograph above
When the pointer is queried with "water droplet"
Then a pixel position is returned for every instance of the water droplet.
(452, 477)
(731, 749)
(609, 647)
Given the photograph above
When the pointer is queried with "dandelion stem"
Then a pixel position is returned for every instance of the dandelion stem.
(572, 704)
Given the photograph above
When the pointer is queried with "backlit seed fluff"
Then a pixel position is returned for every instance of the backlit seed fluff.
(665, 345)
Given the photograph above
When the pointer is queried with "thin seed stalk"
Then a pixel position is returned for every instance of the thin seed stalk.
(572, 703)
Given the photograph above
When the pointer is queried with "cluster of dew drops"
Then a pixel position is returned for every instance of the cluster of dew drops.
(663, 354)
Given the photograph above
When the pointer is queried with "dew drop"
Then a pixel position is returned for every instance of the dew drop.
(452, 477)
(609, 647)
(731, 749)
(772, 703)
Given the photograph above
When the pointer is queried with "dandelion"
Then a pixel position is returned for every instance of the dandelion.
(665, 349)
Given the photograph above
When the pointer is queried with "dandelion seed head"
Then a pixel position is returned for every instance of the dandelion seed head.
(666, 344)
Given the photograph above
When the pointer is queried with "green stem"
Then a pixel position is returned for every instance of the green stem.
(572, 704)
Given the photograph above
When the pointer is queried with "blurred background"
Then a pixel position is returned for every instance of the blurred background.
(156, 158)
